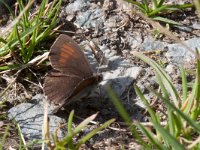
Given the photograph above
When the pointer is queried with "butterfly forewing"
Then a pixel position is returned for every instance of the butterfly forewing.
(67, 57)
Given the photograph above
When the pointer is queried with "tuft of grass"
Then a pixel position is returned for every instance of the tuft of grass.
(155, 8)
(28, 31)
(67, 141)
(182, 126)
(181, 129)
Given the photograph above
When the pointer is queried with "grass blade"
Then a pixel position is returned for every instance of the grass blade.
(151, 137)
(84, 123)
(168, 137)
(93, 132)
(185, 117)
(3, 140)
(164, 77)
(145, 102)
(184, 84)
(123, 113)
(69, 127)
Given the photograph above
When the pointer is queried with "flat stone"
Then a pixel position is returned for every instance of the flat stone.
(90, 19)
(30, 117)
(151, 43)
(76, 6)
(121, 78)
(179, 54)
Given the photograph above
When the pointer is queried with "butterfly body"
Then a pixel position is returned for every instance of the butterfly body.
(72, 76)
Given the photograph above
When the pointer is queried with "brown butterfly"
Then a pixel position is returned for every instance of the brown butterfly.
(72, 76)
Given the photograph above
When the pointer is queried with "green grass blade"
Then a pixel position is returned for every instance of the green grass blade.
(151, 137)
(84, 123)
(140, 6)
(184, 84)
(162, 86)
(69, 129)
(197, 5)
(41, 10)
(169, 8)
(10, 67)
(3, 41)
(21, 146)
(155, 4)
(145, 102)
(178, 125)
(165, 20)
(93, 132)
(198, 79)
(146, 7)
(179, 112)
(157, 10)
(196, 108)
(4, 50)
(20, 42)
(171, 122)
(161, 3)
(183, 6)
(54, 14)
(123, 113)
(168, 138)
(25, 14)
(3, 140)
(190, 101)
(164, 77)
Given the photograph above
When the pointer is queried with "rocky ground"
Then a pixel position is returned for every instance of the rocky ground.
(117, 32)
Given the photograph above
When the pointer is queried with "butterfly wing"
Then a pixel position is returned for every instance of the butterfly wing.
(70, 68)
(61, 88)
(67, 57)
(58, 87)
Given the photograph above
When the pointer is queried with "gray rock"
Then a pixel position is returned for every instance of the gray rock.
(184, 28)
(90, 19)
(196, 25)
(30, 116)
(151, 44)
(134, 39)
(87, 17)
(76, 6)
(179, 54)
(121, 78)
(119, 74)
(170, 69)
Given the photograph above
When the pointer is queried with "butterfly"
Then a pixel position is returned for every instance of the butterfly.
(72, 76)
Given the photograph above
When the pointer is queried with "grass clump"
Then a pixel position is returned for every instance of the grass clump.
(181, 129)
(155, 8)
(67, 141)
(27, 31)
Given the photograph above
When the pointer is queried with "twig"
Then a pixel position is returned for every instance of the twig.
(22, 137)
(38, 59)
(195, 143)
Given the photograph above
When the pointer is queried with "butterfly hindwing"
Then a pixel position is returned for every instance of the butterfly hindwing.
(58, 87)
